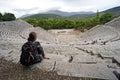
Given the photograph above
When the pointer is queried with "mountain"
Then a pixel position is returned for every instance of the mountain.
(82, 16)
(44, 16)
(56, 14)
(67, 14)
(26, 15)
(114, 11)
(60, 13)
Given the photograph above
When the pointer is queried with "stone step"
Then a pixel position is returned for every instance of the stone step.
(86, 59)
(107, 54)
(94, 71)
(10, 55)
(55, 57)
(46, 65)
(117, 59)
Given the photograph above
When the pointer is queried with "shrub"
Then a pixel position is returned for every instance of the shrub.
(8, 17)
(105, 18)
(1, 17)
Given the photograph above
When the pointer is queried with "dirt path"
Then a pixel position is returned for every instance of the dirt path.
(66, 35)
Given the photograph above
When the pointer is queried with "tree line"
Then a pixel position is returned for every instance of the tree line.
(70, 23)
(7, 17)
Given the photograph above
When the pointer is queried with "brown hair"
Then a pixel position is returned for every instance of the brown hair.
(32, 36)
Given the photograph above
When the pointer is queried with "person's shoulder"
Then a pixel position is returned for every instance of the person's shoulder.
(25, 43)
(37, 42)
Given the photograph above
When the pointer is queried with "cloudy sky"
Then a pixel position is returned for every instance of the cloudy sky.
(21, 7)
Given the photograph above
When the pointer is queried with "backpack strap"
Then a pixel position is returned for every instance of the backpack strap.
(30, 53)
(31, 48)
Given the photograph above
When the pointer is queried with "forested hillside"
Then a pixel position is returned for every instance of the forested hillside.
(81, 24)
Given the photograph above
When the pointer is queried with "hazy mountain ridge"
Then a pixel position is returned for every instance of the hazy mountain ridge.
(67, 14)
(55, 14)
(114, 11)
(44, 16)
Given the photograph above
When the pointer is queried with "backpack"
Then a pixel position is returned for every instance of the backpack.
(29, 54)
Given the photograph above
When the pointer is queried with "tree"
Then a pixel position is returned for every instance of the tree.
(105, 18)
(80, 24)
(1, 17)
(8, 17)
(97, 18)
(32, 21)
(97, 15)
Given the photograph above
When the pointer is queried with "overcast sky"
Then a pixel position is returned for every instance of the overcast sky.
(21, 7)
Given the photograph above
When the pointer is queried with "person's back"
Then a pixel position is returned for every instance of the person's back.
(32, 51)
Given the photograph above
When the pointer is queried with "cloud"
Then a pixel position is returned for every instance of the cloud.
(81, 5)
(25, 10)
(21, 7)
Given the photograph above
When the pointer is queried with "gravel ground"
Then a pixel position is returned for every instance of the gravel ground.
(12, 71)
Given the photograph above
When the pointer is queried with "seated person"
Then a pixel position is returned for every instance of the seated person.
(32, 51)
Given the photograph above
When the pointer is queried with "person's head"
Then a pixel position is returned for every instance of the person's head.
(32, 36)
